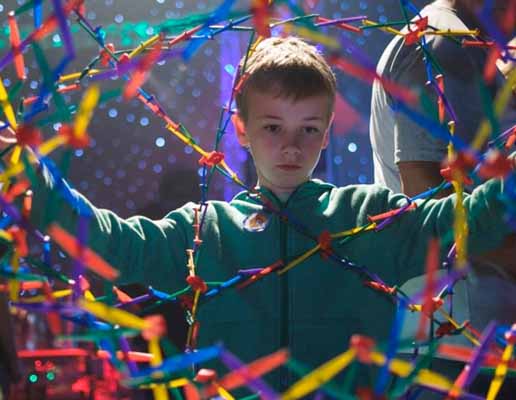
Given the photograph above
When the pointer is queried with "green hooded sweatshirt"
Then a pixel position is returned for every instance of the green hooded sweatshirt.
(315, 307)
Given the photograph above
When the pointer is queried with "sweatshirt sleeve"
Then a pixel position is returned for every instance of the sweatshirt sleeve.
(145, 251)
(485, 214)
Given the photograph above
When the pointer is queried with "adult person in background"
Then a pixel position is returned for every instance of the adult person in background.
(407, 158)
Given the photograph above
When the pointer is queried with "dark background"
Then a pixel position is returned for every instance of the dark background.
(134, 165)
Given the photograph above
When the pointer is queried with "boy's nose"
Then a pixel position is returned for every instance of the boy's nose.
(291, 150)
(291, 146)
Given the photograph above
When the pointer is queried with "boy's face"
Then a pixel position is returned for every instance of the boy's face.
(285, 138)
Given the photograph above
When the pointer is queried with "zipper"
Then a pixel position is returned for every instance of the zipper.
(284, 328)
(284, 301)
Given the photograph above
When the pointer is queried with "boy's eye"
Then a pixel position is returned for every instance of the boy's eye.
(271, 128)
(312, 130)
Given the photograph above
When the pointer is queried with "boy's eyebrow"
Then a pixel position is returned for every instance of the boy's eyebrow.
(269, 116)
(311, 118)
(314, 118)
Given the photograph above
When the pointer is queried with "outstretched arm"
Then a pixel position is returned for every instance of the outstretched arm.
(434, 218)
(143, 250)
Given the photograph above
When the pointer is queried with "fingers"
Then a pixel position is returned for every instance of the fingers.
(7, 135)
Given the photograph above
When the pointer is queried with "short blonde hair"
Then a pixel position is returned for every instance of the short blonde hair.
(287, 67)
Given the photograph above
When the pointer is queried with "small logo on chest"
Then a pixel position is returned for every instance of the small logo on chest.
(256, 222)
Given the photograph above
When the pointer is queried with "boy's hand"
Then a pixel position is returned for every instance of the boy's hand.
(7, 137)
(512, 157)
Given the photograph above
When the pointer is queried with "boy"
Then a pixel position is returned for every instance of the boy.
(284, 113)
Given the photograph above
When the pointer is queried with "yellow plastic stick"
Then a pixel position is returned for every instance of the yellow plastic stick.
(180, 382)
(15, 156)
(404, 368)
(44, 149)
(51, 144)
(160, 390)
(368, 22)
(6, 106)
(460, 225)
(299, 260)
(468, 335)
(58, 294)
(354, 231)
(224, 393)
(433, 379)
(14, 285)
(144, 45)
(467, 32)
(6, 235)
(451, 149)
(76, 75)
(309, 253)
(319, 376)
(500, 373)
(186, 140)
(190, 333)
(113, 315)
(88, 295)
(88, 103)
(255, 45)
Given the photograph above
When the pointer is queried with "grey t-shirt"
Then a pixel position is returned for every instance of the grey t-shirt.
(395, 138)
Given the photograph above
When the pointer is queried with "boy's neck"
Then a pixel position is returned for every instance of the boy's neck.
(282, 194)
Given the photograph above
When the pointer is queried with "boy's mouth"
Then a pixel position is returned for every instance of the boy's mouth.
(289, 167)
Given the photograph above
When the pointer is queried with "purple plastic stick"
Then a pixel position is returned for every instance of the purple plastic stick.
(257, 384)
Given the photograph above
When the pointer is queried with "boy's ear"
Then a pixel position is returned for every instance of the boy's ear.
(326, 139)
(239, 125)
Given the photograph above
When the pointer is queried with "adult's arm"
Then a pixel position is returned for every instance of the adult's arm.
(419, 176)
